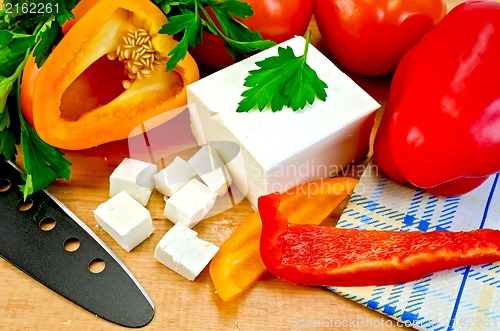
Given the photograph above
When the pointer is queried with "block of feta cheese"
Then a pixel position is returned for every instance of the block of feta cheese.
(190, 204)
(174, 176)
(283, 149)
(134, 177)
(211, 169)
(125, 219)
(181, 250)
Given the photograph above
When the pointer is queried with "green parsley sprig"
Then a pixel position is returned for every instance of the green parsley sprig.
(186, 22)
(284, 80)
(23, 31)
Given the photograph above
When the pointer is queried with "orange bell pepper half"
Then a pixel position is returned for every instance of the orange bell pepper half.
(311, 254)
(238, 264)
(107, 76)
(81, 8)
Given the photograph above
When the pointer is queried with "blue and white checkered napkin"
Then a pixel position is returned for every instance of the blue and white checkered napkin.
(466, 298)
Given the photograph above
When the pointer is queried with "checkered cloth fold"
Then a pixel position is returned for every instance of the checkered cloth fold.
(466, 298)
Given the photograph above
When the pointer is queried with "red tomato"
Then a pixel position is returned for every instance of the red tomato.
(280, 20)
(276, 20)
(371, 37)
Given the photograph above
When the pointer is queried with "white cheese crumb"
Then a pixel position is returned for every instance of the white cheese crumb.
(134, 177)
(190, 204)
(125, 219)
(211, 169)
(181, 250)
(173, 177)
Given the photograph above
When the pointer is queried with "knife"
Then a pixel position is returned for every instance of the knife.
(44, 239)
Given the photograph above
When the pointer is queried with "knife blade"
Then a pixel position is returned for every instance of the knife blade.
(44, 239)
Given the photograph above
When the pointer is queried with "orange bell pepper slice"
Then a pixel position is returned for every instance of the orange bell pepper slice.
(107, 76)
(238, 264)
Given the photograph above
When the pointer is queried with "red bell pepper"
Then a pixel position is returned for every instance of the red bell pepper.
(311, 254)
(441, 126)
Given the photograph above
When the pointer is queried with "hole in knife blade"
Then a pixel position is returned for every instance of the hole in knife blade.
(24, 205)
(71, 244)
(5, 185)
(47, 224)
(97, 266)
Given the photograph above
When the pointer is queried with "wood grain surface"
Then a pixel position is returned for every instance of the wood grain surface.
(180, 304)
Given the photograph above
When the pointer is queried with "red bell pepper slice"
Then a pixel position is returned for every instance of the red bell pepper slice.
(311, 254)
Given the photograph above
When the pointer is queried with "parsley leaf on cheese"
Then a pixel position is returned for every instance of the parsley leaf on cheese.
(284, 80)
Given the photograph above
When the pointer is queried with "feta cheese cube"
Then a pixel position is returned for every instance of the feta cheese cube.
(125, 219)
(174, 176)
(210, 168)
(286, 148)
(190, 204)
(181, 250)
(134, 177)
